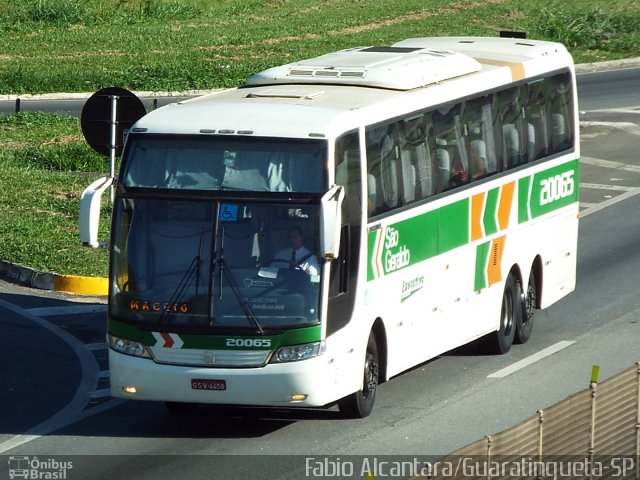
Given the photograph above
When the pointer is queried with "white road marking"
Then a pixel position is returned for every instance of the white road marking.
(628, 127)
(70, 413)
(102, 393)
(610, 202)
(628, 191)
(66, 310)
(598, 162)
(601, 186)
(525, 362)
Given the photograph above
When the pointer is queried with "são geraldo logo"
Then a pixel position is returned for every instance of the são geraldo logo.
(396, 256)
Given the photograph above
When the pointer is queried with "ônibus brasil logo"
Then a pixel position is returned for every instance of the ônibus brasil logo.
(33, 468)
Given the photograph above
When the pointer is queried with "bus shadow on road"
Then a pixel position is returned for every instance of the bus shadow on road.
(477, 348)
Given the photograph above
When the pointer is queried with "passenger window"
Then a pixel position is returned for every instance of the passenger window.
(416, 153)
(348, 174)
(389, 158)
(451, 152)
(383, 157)
(561, 108)
(426, 153)
(480, 136)
(511, 112)
(537, 121)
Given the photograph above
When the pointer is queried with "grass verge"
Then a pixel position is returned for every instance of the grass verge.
(85, 45)
(44, 166)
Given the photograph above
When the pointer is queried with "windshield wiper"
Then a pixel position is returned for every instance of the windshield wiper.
(248, 311)
(192, 269)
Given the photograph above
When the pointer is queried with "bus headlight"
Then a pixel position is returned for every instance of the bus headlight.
(128, 347)
(296, 353)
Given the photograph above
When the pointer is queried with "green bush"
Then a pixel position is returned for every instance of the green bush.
(57, 13)
(589, 28)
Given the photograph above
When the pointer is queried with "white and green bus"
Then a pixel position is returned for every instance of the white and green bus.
(433, 182)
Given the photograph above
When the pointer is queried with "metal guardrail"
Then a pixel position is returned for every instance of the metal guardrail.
(598, 428)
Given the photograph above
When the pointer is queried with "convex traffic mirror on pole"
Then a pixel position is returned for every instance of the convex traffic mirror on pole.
(106, 118)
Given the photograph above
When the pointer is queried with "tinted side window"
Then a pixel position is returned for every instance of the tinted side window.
(561, 107)
(481, 129)
(511, 112)
(452, 163)
(537, 119)
(432, 151)
(383, 174)
(417, 149)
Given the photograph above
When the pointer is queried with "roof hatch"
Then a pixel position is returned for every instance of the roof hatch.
(397, 68)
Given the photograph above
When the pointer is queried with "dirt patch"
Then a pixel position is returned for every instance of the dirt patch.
(13, 145)
(409, 17)
(64, 140)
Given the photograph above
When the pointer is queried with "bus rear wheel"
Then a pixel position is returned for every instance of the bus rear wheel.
(510, 316)
(524, 325)
(360, 404)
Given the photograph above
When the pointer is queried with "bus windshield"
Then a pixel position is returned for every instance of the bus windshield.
(215, 264)
(223, 163)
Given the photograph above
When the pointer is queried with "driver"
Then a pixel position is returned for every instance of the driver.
(297, 254)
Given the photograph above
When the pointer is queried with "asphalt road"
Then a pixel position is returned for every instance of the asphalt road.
(71, 104)
(431, 410)
(609, 89)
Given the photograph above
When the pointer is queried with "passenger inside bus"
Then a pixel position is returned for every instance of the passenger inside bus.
(477, 159)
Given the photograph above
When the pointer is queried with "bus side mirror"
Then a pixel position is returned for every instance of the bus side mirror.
(330, 222)
(90, 211)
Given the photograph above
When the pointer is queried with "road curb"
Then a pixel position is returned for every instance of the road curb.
(29, 277)
(608, 65)
(86, 95)
(580, 68)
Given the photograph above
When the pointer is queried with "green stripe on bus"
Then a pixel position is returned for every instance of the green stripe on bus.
(482, 254)
(419, 238)
(371, 246)
(454, 225)
(554, 188)
(548, 190)
(524, 185)
(491, 205)
(295, 336)
(129, 332)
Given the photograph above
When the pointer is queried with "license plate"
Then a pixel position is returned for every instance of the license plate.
(206, 384)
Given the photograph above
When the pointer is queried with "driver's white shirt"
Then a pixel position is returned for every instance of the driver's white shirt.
(310, 264)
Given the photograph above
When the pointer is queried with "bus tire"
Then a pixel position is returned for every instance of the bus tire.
(360, 404)
(510, 312)
(524, 326)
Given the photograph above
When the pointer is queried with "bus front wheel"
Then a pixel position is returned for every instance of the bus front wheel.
(360, 404)
(510, 317)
